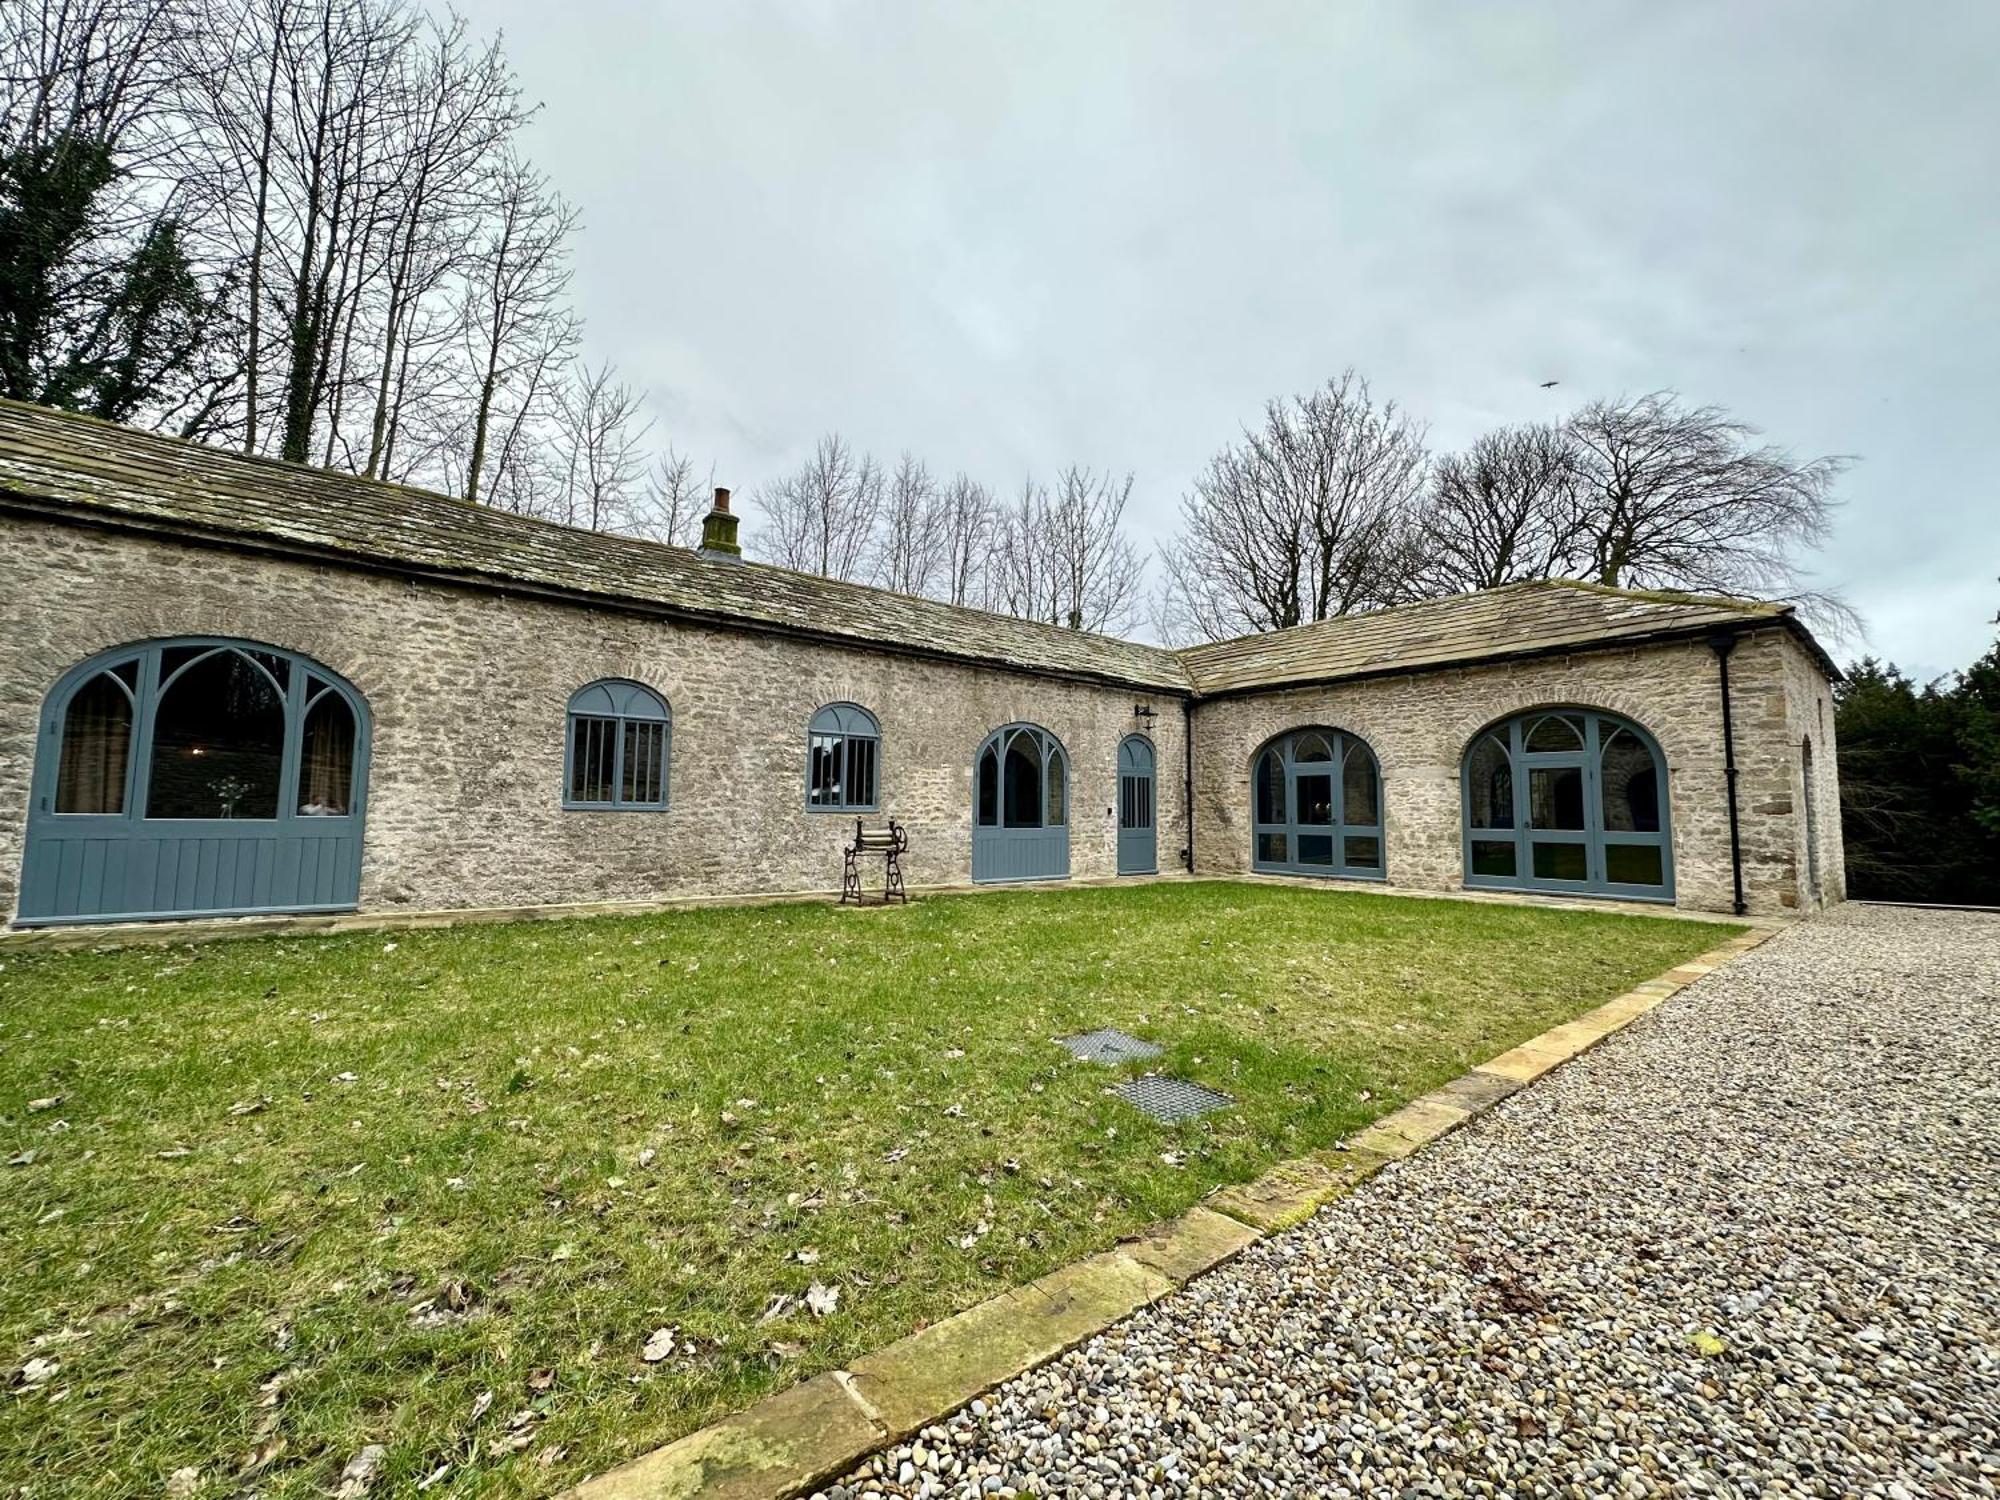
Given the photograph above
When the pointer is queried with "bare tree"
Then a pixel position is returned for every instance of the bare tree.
(1673, 496)
(599, 441)
(966, 527)
(1504, 510)
(910, 552)
(821, 518)
(516, 316)
(674, 501)
(1306, 517)
(1063, 557)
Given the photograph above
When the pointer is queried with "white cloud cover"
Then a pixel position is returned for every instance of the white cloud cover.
(1013, 237)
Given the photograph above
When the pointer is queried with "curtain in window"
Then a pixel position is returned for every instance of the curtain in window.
(326, 758)
(96, 749)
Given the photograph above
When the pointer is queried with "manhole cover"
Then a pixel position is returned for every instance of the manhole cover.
(1109, 1046)
(1171, 1100)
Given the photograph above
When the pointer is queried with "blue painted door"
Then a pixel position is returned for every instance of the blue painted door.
(1020, 824)
(1138, 838)
(196, 777)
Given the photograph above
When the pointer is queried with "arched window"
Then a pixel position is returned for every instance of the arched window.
(196, 775)
(615, 756)
(1316, 800)
(1567, 800)
(843, 752)
(1020, 806)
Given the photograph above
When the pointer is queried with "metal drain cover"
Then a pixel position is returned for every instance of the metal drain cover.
(1171, 1100)
(1109, 1046)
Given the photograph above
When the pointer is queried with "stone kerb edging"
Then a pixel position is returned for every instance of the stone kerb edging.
(791, 1443)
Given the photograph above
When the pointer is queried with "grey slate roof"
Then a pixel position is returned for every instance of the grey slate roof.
(1519, 619)
(123, 476)
(116, 476)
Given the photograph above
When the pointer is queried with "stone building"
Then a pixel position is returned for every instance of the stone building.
(231, 685)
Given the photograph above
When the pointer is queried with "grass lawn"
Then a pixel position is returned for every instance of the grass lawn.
(436, 1190)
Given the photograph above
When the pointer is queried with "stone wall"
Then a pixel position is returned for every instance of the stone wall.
(468, 692)
(1420, 725)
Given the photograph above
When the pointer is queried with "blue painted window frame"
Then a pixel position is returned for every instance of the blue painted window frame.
(617, 702)
(307, 683)
(1282, 749)
(835, 737)
(145, 694)
(1050, 754)
(1597, 727)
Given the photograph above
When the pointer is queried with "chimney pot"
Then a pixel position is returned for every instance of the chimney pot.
(718, 530)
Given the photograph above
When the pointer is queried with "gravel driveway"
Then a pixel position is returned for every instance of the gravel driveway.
(1750, 1246)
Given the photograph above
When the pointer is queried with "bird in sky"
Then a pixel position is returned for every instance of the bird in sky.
(1549, 385)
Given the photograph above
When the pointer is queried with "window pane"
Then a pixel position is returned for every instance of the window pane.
(1631, 785)
(823, 770)
(594, 746)
(1311, 746)
(1489, 782)
(218, 743)
(1271, 849)
(1315, 848)
(644, 775)
(1315, 795)
(326, 758)
(1058, 791)
(1634, 864)
(1553, 732)
(1561, 862)
(1555, 797)
(989, 788)
(860, 772)
(1491, 857)
(1359, 808)
(1364, 853)
(96, 748)
(1024, 782)
(1270, 788)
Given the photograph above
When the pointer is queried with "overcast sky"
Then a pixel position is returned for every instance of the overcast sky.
(1010, 237)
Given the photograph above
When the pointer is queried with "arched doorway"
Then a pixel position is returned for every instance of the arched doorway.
(1138, 834)
(1020, 822)
(1569, 800)
(1316, 802)
(196, 777)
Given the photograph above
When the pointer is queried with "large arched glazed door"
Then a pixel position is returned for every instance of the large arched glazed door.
(196, 777)
(1568, 800)
(1020, 806)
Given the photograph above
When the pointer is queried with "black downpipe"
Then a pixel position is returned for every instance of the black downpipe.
(1187, 779)
(1722, 645)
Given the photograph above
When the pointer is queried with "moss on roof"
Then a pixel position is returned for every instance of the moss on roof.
(61, 463)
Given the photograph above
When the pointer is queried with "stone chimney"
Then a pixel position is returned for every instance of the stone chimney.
(718, 530)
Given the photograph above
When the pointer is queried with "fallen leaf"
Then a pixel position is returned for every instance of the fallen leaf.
(183, 1482)
(822, 1300)
(658, 1346)
(479, 1404)
(36, 1106)
(436, 1476)
(361, 1471)
(250, 1106)
(806, 1257)
(541, 1380)
(646, 1156)
(37, 1371)
(1707, 1345)
(21, 1159)
(777, 1307)
(260, 1457)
